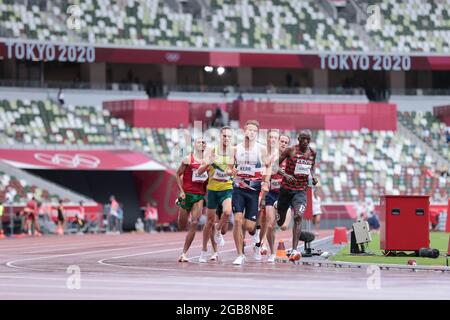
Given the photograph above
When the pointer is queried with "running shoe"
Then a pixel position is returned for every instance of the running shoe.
(214, 257)
(218, 238)
(294, 256)
(239, 260)
(271, 258)
(203, 257)
(257, 253)
(256, 237)
(183, 258)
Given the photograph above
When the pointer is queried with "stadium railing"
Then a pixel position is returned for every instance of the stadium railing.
(72, 85)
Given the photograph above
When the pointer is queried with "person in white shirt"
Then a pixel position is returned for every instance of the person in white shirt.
(317, 211)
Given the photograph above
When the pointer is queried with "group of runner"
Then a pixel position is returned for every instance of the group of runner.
(260, 184)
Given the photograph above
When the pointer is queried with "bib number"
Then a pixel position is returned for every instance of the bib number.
(246, 170)
(275, 184)
(199, 177)
(303, 169)
(220, 175)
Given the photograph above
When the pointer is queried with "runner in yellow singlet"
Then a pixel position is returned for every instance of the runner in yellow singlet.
(220, 189)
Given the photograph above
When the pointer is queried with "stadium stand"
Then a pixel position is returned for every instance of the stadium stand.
(276, 24)
(352, 165)
(413, 26)
(40, 122)
(281, 24)
(428, 128)
(21, 190)
(140, 23)
(30, 21)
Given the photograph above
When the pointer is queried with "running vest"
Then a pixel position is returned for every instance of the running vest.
(249, 167)
(194, 183)
(218, 179)
(299, 166)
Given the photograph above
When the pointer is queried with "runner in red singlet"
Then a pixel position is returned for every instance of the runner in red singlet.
(192, 192)
(300, 161)
(276, 145)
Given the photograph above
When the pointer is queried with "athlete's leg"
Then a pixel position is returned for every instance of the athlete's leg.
(270, 227)
(299, 206)
(316, 221)
(287, 220)
(262, 217)
(183, 217)
(284, 202)
(250, 226)
(213, 242)
(28, 225)
(226, 212)
(207, 230)
(196, 214)
(238, 234)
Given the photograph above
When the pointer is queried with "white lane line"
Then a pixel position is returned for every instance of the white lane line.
(91, 246)
(11, 263)
(77, 241)
(260, 266)
(242, 283)
(198, 288)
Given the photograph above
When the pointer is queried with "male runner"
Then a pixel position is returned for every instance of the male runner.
(251, 171)
(32, 208)
(192, 191)
(220, 189)
(300, 161)
(276, 144)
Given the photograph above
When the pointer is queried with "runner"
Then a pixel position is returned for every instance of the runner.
(317, 211)
(300, 161)
(192, 192)
(220, 189)
(276, 144)
(61, 219)
(32, 221)
(251, 171)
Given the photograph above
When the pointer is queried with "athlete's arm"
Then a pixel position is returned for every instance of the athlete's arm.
(179, 173)
(313, 173)
(286, 154)
(267, 171)
(231, 170)
(207, 161)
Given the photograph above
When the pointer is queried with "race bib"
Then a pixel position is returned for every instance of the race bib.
(220, 175)
(275, 184)
(199, 177)
(303, 169)
(246, 170)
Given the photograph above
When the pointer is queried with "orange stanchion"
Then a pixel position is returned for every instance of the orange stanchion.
(340, 235)
(281, 252)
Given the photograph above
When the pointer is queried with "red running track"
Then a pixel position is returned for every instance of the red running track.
(144, 266)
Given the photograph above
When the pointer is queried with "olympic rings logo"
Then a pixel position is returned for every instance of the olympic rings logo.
(172, 56)
(78, 160)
